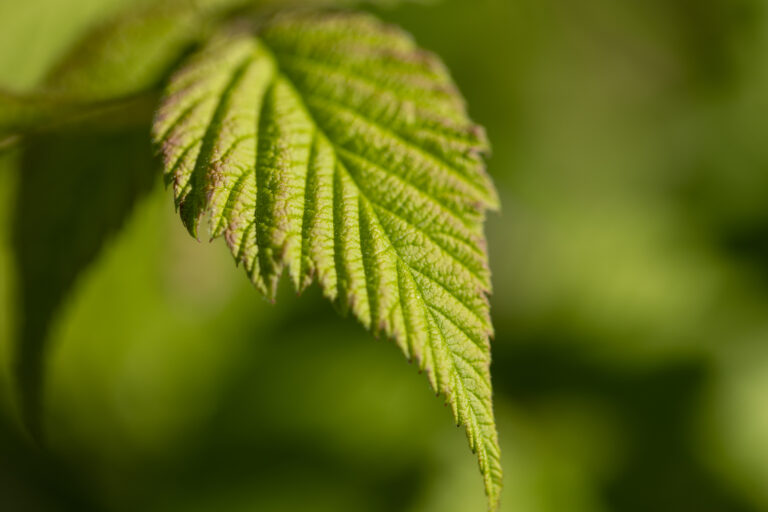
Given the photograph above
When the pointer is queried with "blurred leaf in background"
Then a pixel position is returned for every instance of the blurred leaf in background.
(101, 168)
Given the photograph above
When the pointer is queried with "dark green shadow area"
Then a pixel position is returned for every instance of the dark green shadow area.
(660, 466)
(76, 186)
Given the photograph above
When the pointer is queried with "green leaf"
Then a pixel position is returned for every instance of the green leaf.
(77, 185)
(332, 147)
(132, 51)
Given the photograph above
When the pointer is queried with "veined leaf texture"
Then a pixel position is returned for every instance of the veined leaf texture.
(331, 147)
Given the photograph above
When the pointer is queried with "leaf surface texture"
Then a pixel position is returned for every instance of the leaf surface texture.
(331, 147)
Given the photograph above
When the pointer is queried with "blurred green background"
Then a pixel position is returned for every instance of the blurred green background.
(630, 266)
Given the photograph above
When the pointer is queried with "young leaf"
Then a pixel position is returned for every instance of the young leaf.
(332, 147)
(132, 51)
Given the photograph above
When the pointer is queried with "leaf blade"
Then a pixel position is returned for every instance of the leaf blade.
(89, 175)
(308, 158)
